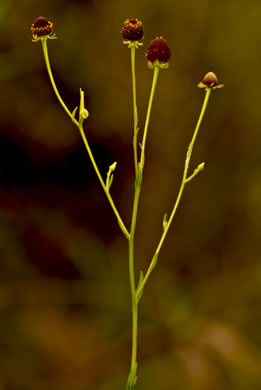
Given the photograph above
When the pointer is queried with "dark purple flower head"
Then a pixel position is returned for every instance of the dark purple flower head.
(42, 28)
(132, 30)
(158, 53)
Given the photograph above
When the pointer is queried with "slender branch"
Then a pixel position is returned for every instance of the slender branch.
(107, 193)
(79, 125)
(135, 112)
(154, 82)
(182, 186)
(48, 66)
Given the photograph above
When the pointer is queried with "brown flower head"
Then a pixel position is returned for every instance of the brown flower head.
(42, 28)
(132, 30)
(210, 81)
(158, 53)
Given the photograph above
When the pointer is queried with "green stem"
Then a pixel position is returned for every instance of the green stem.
(202, 113)
(182, 186)
(134, 301)
(47, 62)
(107, 193)
(154, 82)
(138, 182)
(79, 125)
(135, 112)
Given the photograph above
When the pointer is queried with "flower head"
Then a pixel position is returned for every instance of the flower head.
(158, 53)
(132, 30)
(210, 81)
(42, 29)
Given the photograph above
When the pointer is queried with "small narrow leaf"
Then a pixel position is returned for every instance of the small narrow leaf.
(109, 178)
(154, 261)
(165, 221)
(139, 175)
(132, 379)
(74, 112)
(139, 291)
(110, 181)
(199, 168)
(112, 167)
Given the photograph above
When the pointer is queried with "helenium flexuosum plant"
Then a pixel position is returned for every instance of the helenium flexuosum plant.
(158, 57)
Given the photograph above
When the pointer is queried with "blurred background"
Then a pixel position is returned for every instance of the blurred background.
(65, 320)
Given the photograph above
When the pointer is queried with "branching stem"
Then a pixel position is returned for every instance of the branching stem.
(79, 125)
(182, 186)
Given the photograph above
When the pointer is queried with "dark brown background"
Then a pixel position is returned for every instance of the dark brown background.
(64, 295)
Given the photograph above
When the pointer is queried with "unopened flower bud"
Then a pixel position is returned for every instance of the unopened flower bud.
(210, 81)
(158, 53)
(84, 113)
(132, 30)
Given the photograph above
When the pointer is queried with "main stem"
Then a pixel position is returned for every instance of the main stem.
(138, 182)
(79, 125)
(134, 301)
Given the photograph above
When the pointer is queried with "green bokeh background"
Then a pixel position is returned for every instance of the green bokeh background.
(64, 295)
